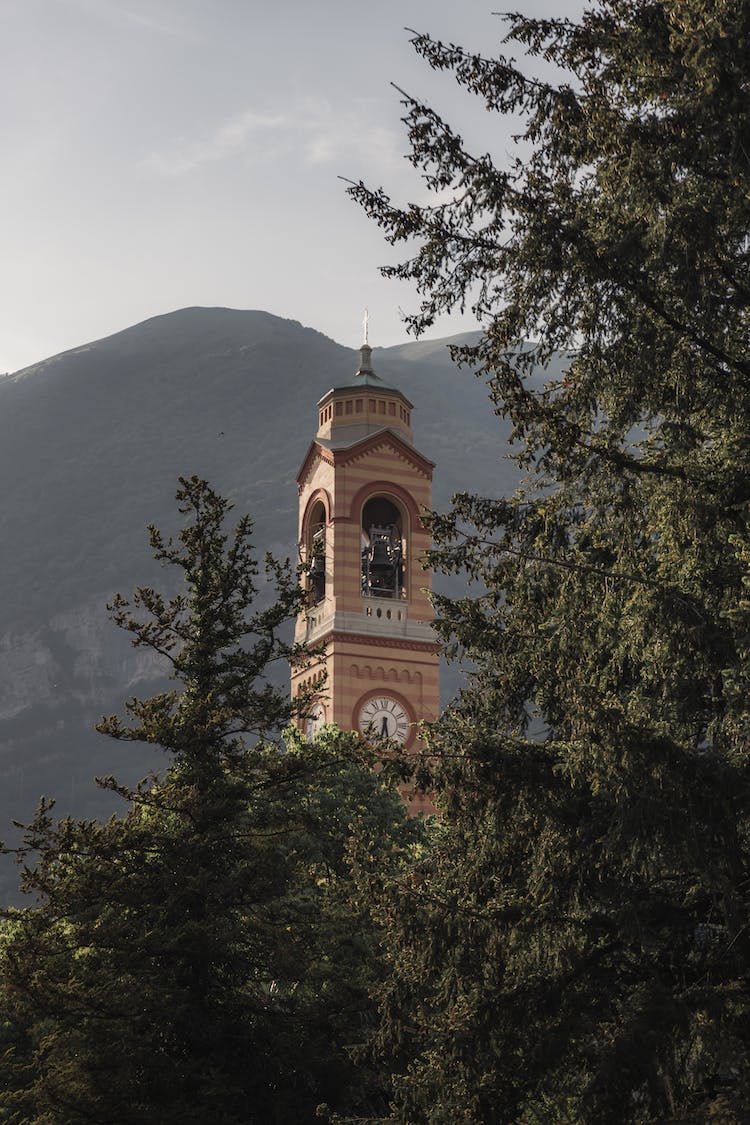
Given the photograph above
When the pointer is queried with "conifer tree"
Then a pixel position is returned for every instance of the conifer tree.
(582, 945)
(199, 958)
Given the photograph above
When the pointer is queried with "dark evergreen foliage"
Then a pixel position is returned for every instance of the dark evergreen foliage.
(580, 947)
(199, 958)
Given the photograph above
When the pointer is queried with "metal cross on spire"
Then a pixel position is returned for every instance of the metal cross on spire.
(365, 327)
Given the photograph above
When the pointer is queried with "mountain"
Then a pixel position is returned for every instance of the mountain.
(91, 444)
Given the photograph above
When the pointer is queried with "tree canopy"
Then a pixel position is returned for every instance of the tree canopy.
(582, 950)
(200, 956)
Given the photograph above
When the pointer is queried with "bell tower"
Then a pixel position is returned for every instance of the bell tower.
(362, 487)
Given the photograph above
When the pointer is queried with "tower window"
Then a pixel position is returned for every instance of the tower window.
(358, 406)
(339, 408)
(371, 405)
(316, 554)
(381, 407)
(392, 408)
(349, 406)
(383, 550)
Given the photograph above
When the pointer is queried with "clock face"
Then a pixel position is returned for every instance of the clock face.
(315, 719)
(384, 717)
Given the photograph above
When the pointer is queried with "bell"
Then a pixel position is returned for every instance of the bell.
(381, 560)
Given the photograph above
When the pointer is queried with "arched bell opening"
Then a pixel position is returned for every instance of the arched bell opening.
(316, 552)
(383, 549)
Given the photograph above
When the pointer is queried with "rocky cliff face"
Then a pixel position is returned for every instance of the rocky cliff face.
(68, 659)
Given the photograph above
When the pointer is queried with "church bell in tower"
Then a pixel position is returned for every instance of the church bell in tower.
(382, 572)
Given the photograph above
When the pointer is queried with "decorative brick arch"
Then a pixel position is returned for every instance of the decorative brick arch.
(388, 489)
(319, 496)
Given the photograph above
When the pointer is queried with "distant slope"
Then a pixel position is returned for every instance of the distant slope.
(91, 444)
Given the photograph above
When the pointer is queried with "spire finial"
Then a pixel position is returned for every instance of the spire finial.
(365, 351)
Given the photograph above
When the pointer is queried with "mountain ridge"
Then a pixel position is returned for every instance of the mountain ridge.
(92, 442)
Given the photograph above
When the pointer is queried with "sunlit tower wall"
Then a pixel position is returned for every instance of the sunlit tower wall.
(363, 487)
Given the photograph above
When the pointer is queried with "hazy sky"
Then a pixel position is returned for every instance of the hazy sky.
(163, 153)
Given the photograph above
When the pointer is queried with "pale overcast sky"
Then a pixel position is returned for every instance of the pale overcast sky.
(164, 153)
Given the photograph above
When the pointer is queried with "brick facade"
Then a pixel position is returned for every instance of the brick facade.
(362, 468)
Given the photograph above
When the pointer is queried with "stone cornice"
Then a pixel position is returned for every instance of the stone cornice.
(380, 388)
(372, 641)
